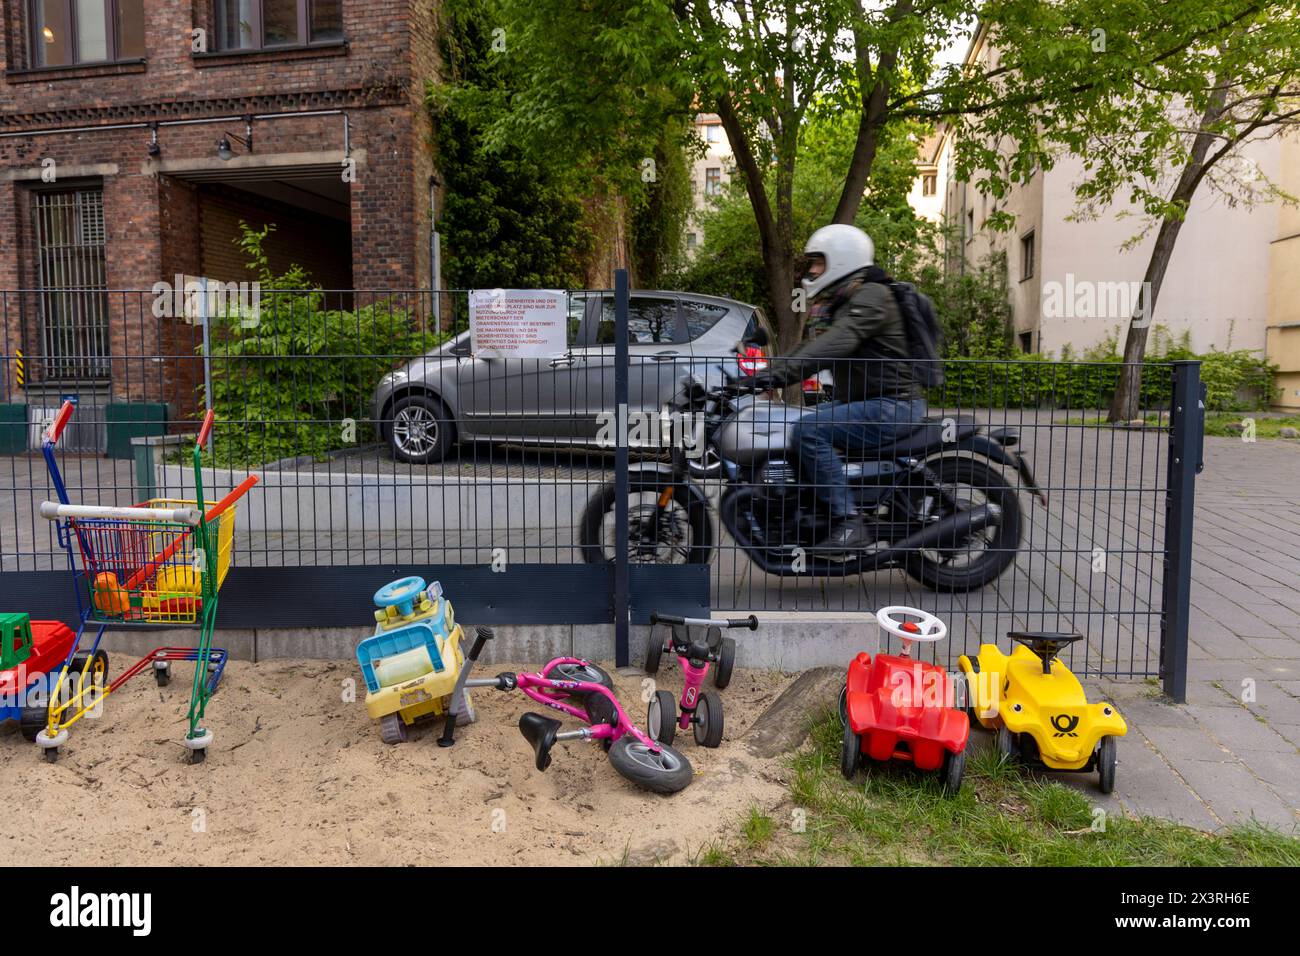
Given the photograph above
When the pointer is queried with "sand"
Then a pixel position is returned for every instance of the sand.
(298, 775)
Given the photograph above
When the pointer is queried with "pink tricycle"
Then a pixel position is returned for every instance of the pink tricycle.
(580, 689)
(700, 712)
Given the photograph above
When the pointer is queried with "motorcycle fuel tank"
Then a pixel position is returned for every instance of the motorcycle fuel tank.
(756, 430)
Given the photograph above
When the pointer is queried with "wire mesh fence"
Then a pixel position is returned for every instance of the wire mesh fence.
(999, 499)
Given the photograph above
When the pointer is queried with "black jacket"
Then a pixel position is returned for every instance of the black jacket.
(867, 326)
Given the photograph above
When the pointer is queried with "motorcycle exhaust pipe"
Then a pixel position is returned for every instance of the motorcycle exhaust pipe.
(950, 534)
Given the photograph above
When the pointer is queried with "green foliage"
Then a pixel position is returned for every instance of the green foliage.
(510, 217)
(657, 225)
(974, 307)
(1236, 381)
(290, 376)
(729, 260)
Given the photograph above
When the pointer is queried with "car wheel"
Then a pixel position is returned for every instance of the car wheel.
(421, 431)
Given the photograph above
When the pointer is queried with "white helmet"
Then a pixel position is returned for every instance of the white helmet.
(846, 249)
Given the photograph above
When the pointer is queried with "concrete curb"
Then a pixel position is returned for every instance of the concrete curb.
(785, 641)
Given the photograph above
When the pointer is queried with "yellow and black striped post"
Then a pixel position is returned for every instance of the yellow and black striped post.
(18, 368)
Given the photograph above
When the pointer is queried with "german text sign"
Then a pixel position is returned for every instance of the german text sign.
(517, 323)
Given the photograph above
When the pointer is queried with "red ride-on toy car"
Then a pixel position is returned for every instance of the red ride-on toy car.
(897, 708)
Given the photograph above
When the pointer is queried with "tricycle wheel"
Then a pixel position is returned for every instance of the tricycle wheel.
(726, 661)
(392, 729)
(953, 769)
(654, 652)
(1007, 744)
(661, 717)
(708, 719)
(1106, 761)
(586, 671)
(850, 752)
(664, 772)
(162, 673)
(32, 721)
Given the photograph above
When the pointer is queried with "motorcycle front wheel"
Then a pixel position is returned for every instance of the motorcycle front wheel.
(679, 532)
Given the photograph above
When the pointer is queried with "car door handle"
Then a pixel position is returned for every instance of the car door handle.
(664, 356)
(564, 360)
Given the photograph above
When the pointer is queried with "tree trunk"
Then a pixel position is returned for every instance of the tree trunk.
(1125, 406)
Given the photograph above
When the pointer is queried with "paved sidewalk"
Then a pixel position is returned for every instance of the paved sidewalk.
(1232, 753)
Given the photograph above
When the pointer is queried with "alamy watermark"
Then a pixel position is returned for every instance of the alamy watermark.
(194, 299)
(1085, 299)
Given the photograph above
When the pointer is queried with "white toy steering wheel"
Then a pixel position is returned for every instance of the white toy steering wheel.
(928, 628)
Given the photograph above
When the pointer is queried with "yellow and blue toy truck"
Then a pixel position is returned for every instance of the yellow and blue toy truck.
(411, 662)
(1038, 709)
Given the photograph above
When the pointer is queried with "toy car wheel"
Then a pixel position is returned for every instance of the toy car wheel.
(654, 652)
(661, 717)
(32, 721)
(850, 752)
(726, 661)
(664, 772)
(392, 729)
(198, 755)
(1007, 744)
(51, 754)
(162, 673)
(98, 672)
(953, 769)
(708, 719)
(1106, 761)
(844, 705)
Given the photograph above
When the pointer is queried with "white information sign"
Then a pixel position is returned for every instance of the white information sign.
(518, 323)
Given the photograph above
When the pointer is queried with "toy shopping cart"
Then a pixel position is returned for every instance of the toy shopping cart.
(160, 562)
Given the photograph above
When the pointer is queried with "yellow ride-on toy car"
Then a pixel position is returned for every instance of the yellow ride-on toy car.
(1038, 709)
(412, 661)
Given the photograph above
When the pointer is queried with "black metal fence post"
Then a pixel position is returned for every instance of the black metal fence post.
(621, 488)
(1186, 444)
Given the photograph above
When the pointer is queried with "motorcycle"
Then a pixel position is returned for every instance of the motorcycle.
(935, 500)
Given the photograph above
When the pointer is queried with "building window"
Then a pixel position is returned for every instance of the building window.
(1027, 342)
(1027, 256)
(713, 181)
(970, 223)
(257, 24)
(691, 240)
(929, 184)
(713, 133)
(69, 32)
(71, 279)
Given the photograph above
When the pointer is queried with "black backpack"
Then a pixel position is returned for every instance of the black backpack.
(924, 336)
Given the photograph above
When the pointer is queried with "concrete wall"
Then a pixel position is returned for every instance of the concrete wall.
(1283, 346)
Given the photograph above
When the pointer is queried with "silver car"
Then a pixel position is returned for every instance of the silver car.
(449, 395)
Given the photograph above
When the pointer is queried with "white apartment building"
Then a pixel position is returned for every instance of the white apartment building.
(709, 174)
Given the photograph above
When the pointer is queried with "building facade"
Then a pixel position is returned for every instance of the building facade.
(136, 135)
(1074, 281)
(710, 174)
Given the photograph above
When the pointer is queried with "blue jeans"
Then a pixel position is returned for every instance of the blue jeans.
(854, 427)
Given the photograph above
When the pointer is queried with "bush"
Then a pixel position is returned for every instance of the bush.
(298, 379)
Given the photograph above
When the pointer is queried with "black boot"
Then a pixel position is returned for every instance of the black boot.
(845, 538)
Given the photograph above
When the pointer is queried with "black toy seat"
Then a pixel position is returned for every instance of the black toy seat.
(540, 733)
(1046, 644)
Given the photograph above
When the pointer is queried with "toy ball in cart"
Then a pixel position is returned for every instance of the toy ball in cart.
(159, 562)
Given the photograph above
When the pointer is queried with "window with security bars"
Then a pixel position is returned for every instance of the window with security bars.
(71, 283)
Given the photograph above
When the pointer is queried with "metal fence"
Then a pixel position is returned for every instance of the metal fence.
(385, 447)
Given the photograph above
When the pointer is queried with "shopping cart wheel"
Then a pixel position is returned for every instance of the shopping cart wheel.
(162, 672)
(198, 745)
(51, 744)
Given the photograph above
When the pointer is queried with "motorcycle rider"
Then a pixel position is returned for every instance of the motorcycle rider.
(859, 333)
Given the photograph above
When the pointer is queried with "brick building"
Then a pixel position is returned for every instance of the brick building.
(136, 134)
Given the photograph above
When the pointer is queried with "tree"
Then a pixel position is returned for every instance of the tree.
(1200, 110)
(768, 66)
